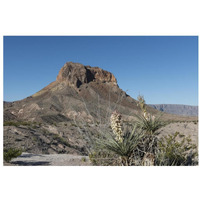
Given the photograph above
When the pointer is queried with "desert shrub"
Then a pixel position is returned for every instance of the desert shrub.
(74, 125)
(34, 126)
(54, 123)
(11, 153)
(61, 140)
(175, 150)
(83, 159)
(147, 145)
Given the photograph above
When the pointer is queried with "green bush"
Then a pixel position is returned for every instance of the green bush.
(11, 153)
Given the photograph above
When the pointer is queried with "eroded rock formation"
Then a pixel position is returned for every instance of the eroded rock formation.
(77, 74)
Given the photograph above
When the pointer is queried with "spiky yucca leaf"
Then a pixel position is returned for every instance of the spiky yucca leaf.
(125, 148)
(151, 124)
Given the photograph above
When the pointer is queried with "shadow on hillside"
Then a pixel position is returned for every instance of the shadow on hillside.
(29, 155)
(31, 163)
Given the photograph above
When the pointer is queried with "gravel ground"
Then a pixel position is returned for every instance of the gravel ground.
(29, 159)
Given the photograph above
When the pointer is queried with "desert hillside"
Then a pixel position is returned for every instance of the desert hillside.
(65, 116)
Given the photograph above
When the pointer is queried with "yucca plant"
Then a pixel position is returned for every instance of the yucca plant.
(120, 144)
(146, 121)
(150, 125)
(124, 148)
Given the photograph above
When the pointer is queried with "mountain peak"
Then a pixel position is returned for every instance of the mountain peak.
(77, 74)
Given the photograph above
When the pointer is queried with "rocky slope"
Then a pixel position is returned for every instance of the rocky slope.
(183, 110)
(68, 159)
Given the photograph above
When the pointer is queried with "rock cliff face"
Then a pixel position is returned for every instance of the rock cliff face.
(76, 74)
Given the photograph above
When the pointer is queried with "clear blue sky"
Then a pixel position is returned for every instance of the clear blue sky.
(162, 69)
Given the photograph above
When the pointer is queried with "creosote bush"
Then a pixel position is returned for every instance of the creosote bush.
(176, 150)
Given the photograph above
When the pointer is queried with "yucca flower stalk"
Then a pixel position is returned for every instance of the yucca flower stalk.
(141, 103)
(115, 120)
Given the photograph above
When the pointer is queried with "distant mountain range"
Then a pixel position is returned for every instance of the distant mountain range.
(183, 110)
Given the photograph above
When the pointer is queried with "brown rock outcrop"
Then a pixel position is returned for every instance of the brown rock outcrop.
(77, 74)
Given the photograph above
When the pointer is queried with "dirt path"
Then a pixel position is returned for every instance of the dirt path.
(29, 159)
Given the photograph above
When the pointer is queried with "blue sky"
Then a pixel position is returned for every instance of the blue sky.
(164, 69)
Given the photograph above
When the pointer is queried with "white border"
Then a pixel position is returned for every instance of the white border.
(89, 17)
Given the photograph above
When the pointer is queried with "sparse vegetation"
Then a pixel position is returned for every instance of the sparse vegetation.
(195, 122)
(54, 123)
(12, 123)
(142, 146)
(103, 158)
(22, 123)
(74, 125)
(61, 140)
